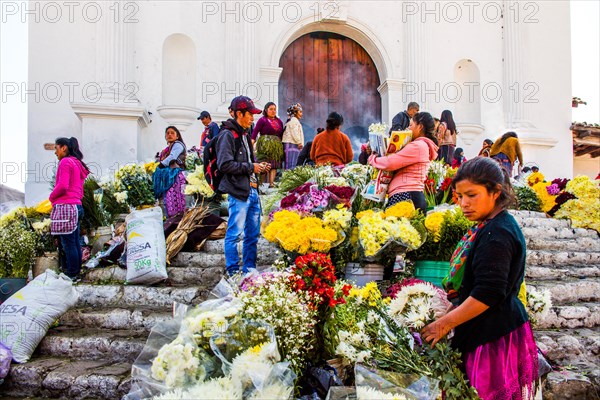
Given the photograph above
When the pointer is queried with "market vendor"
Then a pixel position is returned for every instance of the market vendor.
(67, 209)
(269, 148)
(411, 163)
(168, 177)
(491, 326)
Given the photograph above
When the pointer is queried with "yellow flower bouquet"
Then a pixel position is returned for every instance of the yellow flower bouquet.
(376, 230)
(300, 235)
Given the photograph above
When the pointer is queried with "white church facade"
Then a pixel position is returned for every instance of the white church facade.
(116, 74)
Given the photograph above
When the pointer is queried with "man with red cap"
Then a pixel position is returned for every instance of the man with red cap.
(235, 160)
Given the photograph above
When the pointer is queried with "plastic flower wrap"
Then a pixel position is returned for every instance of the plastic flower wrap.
(177, 363)
(417, 304)
(375, 231)
(271, 298)
(197, 184)
(539, 304)
(357, 175)
(44, 207)
(338, 218)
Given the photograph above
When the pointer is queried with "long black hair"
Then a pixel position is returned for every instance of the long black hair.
(449, 120)
(179, 138)
(425, 119)
(506, 136)
(487, 172)
(72, 148)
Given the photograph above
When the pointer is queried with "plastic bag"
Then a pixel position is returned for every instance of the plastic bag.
(5, 360)
(109, 254)
(376, 189)
(146, 248)
(341, 393)
(29, 313)
(409, 385)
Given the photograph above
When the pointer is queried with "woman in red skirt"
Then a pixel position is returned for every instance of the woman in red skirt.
(491, 326)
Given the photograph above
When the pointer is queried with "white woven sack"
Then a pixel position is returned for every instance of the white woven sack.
(26, 317)
(146, 248)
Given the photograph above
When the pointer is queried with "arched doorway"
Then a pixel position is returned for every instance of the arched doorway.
(327, 72)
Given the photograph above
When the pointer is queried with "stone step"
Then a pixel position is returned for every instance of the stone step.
(558, 272)
(138, 318)
(570, 291)
(538, 222)
(55, 377)
(562, 258)
(218, 246)
(579, 382)
(555, 244)
(93, 344)
(578, 315)
(142, 296)
(204, 276)
(558, 233)
(566, 346)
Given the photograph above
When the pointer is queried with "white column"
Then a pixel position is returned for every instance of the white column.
(518, 112)
(415, 61)
(114, 57)
(111, 128)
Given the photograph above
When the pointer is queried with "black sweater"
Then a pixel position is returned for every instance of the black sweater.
(494, 271)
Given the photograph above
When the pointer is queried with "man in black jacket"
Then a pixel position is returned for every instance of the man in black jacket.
(235, 159)
(402, 120)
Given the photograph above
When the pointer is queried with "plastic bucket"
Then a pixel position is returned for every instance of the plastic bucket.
(10, 286)
(361, 275)
(432, 271)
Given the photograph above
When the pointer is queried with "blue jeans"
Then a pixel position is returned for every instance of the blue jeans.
(244, 222)
(71, 249)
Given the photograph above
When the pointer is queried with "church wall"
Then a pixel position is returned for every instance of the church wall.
(61, 55)
(380, 27)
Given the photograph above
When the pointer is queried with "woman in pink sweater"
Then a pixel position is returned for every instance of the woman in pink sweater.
(411, 163)
(66, 203)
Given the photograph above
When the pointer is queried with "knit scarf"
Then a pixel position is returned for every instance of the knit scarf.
(453, 281)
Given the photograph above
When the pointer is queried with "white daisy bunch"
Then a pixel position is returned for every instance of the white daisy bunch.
(417, 305)
(269, 298)
(177, 363)
(539, 303)
(369, 393)
(353, 346)
(378, 128)
(357, 175)
(223, 388)
(213, 316)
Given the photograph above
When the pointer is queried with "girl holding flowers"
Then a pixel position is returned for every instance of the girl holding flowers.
(411, 163)
(491, 326)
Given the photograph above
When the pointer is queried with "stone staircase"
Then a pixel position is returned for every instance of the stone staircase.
(566, 261)
(89, 354)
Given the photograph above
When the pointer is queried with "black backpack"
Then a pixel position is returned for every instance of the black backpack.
(212, 174)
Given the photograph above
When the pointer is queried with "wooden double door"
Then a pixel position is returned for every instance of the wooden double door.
(327, 72)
